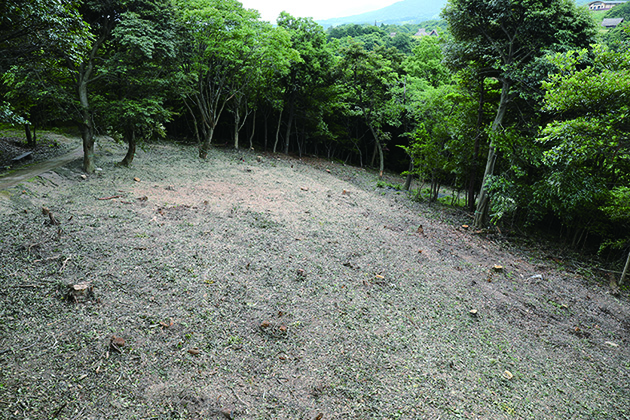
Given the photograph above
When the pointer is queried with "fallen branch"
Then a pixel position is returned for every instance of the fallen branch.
(111, 198)
(606, 271)
(236, 395)
(56, 257)
(64, 264)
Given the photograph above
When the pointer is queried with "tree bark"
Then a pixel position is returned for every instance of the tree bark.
(30, 138)
(204, 148)
(374, 154)
(266, 130)
(83, 74)
(131, 149)
(194, 121)
(237, 122)
(275, 145)
(483, 205)
(251, 137)
(472, 174)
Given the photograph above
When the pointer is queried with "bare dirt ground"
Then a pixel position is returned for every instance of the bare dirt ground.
(275, 288)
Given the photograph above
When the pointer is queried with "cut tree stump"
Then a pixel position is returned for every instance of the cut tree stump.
(80, 292)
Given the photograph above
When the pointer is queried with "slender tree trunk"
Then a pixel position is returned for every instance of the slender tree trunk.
(483, 205)
(86, 127)
(82, 78)
(131, 149)
(275, 145)
(30, 139)
(374, 154)
(625, 271)
(237, 122)
(472, 174)
(251, 137)
(381, 156)
(194, 121)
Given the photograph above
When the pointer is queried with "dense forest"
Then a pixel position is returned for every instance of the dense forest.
(520, 106)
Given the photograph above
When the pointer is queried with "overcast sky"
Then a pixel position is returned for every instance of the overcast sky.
(317, 9)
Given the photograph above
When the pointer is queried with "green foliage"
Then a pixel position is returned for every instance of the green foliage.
(506, 40)
(219, 40)
(34, 37)
(426, 62)
(307, 87)
(141, 72)
(587, 156)
(439, 144)
(8, 115)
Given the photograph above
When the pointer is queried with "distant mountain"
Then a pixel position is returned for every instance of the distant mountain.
(406, 11)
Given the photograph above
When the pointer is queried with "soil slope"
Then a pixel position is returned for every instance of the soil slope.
(257, 287)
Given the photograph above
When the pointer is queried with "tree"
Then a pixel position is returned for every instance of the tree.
(308, 74)
(141, 65)
(503, 38)
(266, 56)
(30, 26)
(426, 62)
(101, 17)
(34, 36)
(587, 156)
(369, 80)
(34, 92)
(220, 36)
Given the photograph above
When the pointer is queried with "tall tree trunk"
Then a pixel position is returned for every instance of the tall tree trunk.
(374, 154)
(86, 126)
(472, 174)
(381, 158)
(237, 122)
(82, 78)
(194, 121)
(251, 137)
(483, 205)
(275, 145)
(131, 149)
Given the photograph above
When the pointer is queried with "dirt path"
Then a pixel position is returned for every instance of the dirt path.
(12, 179)
(262, 287)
